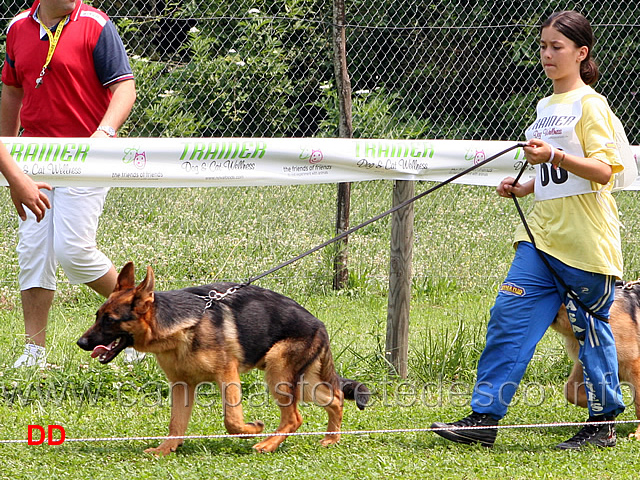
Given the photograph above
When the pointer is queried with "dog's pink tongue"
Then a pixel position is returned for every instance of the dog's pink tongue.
(99, 350)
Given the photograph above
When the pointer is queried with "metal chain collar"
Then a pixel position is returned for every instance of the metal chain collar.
(216, 296)
(630, 285)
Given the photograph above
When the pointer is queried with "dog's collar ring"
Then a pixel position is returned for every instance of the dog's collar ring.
(216, 296)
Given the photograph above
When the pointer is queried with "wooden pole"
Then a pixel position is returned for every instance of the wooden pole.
(400, 275)
(343, 85)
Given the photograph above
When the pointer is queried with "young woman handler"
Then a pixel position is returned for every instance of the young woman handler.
(574, 222)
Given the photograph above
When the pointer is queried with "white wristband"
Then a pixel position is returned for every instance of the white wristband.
(553, 153)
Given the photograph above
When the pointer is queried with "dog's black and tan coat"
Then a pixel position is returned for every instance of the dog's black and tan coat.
(624, 318)
(252, 328)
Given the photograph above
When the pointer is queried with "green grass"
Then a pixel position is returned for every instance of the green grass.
(190, 236)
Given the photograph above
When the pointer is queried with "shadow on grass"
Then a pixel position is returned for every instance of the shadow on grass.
(190, 447)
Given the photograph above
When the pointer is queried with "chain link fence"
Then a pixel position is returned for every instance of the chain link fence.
(421, 69)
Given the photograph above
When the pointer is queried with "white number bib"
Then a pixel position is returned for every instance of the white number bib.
(555, 124)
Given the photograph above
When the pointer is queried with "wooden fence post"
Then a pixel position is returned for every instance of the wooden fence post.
(343, 85)
(400, 276)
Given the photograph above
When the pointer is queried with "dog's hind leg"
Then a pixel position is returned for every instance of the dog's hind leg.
(182, 397)
(634, 374)
(574, 390)
(278, 376)
(290, 418)
(332, 401)
(334, 411)
(327, 395)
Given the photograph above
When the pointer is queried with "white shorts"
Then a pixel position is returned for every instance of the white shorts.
(66, 236)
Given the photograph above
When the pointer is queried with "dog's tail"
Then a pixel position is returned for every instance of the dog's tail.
(355, 391)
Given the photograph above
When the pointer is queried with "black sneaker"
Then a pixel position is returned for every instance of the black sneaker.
(460, 433)
(598, 434)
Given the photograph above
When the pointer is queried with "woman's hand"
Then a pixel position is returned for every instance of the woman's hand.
(506, 188)
(537, 151)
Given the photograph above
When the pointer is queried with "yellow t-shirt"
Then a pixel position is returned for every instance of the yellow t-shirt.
(581, 230)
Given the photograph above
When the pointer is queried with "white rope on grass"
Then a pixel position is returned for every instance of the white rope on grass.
(346, 432)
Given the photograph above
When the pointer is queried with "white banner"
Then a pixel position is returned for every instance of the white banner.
(214, 162)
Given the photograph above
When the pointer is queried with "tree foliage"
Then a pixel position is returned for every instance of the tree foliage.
(421, 69)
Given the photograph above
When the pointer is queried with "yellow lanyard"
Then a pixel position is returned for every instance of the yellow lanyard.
(53, 43)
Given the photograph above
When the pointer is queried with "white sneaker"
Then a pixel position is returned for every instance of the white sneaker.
(131, 355)
(34, 355)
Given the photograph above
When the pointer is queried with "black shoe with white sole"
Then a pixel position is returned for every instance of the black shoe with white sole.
(468, 430)
(598, 434)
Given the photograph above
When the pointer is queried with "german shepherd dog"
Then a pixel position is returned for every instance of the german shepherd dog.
(624, 320)
(197, 338)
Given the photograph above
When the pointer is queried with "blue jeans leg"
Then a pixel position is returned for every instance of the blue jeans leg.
(525, 306)
(597, 353)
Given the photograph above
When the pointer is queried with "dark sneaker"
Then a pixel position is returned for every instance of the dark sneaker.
(598, 434)
(467, 430)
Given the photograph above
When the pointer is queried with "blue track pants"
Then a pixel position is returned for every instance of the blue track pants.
(525, 307)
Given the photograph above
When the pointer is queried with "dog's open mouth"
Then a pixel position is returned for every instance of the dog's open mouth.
(107, 353)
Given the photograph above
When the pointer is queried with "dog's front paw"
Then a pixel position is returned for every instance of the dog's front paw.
(165, 448)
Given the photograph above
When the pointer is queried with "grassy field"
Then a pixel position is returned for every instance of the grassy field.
(189, 236)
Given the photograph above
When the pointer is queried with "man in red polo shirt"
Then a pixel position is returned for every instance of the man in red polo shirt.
(66, 74)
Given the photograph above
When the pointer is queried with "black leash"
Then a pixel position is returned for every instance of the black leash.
(560, 280)
(382, 215)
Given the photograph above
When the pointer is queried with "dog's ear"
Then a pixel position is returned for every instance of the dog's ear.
(148, 284)
(127, 278)
(144, 292)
